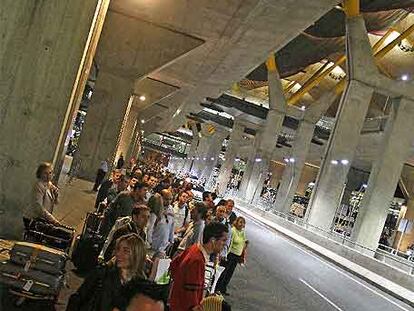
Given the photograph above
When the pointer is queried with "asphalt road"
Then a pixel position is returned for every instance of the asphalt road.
(281, 275)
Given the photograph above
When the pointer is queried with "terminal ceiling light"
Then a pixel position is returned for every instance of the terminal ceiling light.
(364, 186)
(404, 77)
(142, 98)
(258, 160)
(212, 159)
(204, 159)
(292, 160)
(303, 108)
(197, 158)
(344, 162)
(143, 121)
(334, 162)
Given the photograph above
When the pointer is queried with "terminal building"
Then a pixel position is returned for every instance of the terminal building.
(302, 112)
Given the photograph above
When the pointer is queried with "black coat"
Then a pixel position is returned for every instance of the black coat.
(103, 191)
(101, 291)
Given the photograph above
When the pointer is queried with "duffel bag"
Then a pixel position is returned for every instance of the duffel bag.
(38, 257)
(86, 251)
(32, 281)
(48, 240)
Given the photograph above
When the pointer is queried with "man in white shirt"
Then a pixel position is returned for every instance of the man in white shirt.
(181, 213)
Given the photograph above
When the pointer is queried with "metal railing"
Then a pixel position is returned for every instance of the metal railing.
(386, 255)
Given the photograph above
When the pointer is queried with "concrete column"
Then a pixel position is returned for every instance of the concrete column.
(341, 147)
(201, 156)
(230, 155)
(269, 134)
(109, 106)
(397, 144)
(213, 153)
(292, 173)
(127, 132)
(39, 68)
(192, 152)
(135, 146)
(249, 168)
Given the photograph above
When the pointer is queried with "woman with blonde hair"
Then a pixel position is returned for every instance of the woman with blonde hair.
(102, 289)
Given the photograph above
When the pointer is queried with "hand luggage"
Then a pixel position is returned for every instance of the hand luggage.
(32, 281)
(61, 232)
(38, 257)
(86, 251)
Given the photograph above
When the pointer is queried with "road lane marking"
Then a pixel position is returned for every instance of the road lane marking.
(321, 295)
(266, 227)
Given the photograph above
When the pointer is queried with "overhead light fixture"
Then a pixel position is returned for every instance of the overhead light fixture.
(212, 159)
(364, 186)
(303, 108)
(142, 121)
(142, 98)
(258, 160)
(344, 162)
(334, 162)
(292, 160)
(204, 159)
(404, 77)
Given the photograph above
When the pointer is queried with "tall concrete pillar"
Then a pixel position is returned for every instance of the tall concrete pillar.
(213, 153)
(135, 146)
(109, 106)
(349, 122)
(268, 136)
(249, 168)
(230, 155)
(201, 156)
(40, 58)
(129, 126)
(296, 162)
(294, 166)
(395, 149)
(339, 154)
(192, 152)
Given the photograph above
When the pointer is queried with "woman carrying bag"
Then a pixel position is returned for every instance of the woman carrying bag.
(101, 290)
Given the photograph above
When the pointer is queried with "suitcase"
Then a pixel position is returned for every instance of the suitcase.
(47, 240)
(86, 251)
(38, 257)
(32, 281)
(92, 224)
(40, 225)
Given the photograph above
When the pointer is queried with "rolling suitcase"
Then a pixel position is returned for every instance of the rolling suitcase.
(31, 281)
(38, 257)
(92, 224)
(47, 240)
(86, 251)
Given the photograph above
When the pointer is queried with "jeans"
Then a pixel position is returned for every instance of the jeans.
(225, 277)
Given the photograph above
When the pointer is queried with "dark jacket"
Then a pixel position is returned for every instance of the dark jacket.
(103, 191)
(122, 206)
(101, 291)
(232, 218)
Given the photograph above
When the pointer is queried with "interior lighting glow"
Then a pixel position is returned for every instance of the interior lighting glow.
(364, 186)
(292, 160)
(142, 98)
(393, 35)
(212, 159)
(344, 162)
(258, 160)
(142, 121)
(286, 160)
(334, 162)
(204, 159)
(303, 108)
(404, 77)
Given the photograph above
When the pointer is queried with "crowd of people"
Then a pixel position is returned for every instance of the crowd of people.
(150, 214)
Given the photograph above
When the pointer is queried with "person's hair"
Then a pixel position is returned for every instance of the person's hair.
(230, 200)
(238, 218)
(149, 289)
(201, 209)
(123, 178)
(138, 253)
(222, 202)
(155, 204)
(206, 194)
(137, 210)
(181, 193)
(214, 230)
(140, 185)
(189, 186)
(41, 168)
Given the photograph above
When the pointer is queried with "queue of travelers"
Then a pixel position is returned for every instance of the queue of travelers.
(151, 214)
